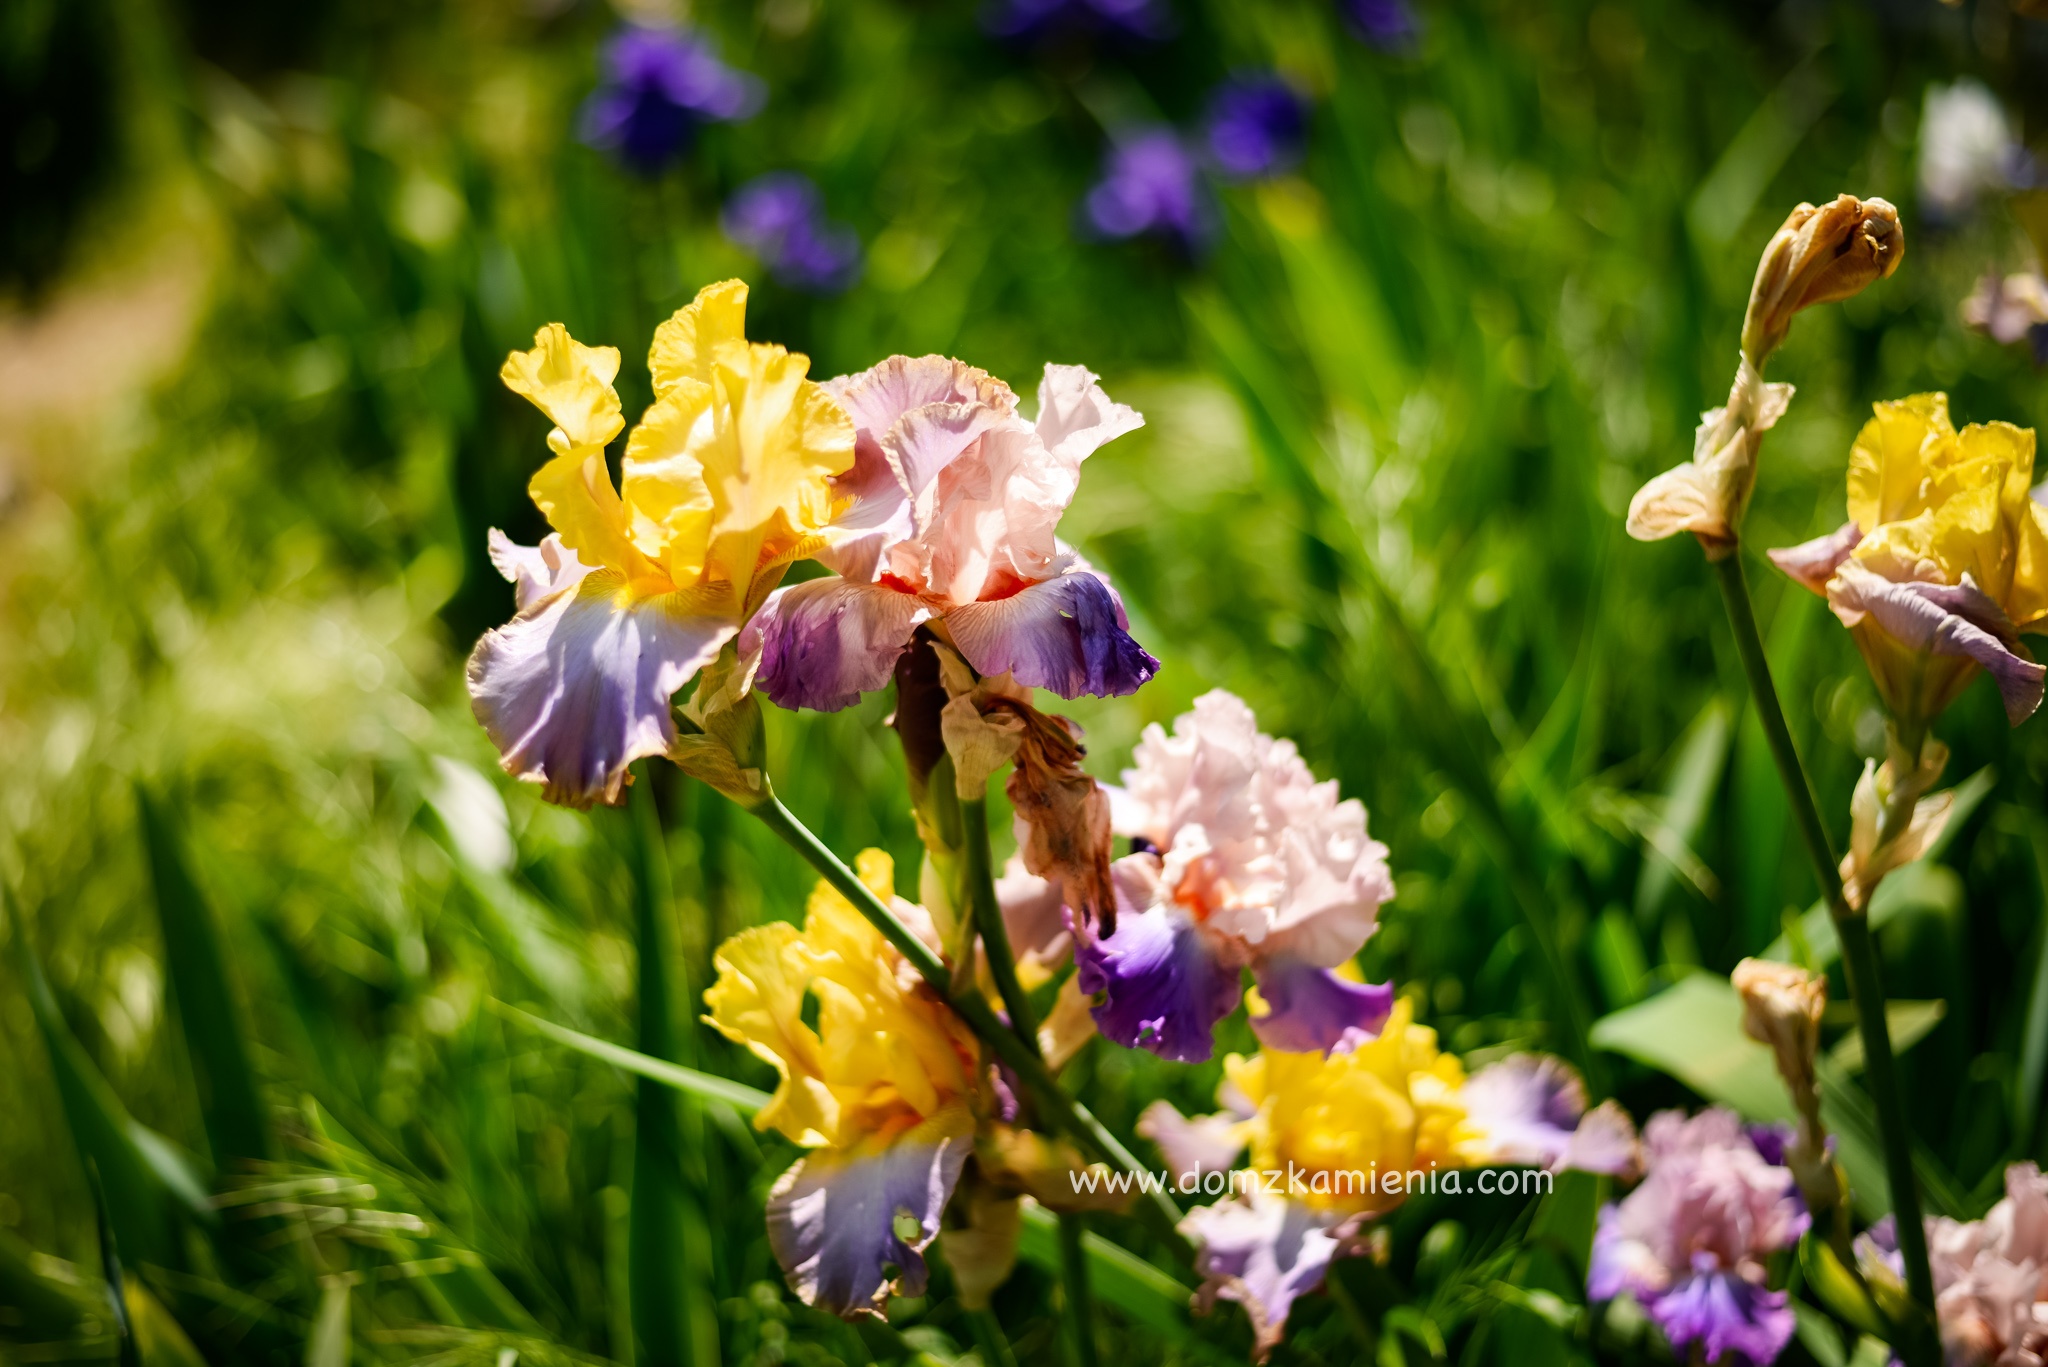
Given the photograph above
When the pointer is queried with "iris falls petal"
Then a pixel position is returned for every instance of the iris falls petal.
(1067, 634)
(577, 687)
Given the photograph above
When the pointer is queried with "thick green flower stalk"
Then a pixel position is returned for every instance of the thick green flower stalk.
(1820, 255)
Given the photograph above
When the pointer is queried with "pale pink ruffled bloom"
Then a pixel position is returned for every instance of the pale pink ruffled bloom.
(1990, 1275)
(1241, 860)
(951, 516)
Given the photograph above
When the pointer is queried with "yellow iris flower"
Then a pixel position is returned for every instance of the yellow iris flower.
(1944, 560)
(1389, 1106)
(726, 480)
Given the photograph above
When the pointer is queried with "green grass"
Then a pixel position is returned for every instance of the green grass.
(1393, 420)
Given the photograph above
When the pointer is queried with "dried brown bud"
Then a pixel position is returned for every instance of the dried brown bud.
(1820, 255)
(1781, 1007)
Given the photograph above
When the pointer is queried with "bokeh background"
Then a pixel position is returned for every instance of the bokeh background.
(260, 266)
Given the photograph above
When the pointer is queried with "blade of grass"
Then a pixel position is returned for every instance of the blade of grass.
(130, 1353)
(674, 1316)
(203, 997)
(2026, 1097)
(144, 1177)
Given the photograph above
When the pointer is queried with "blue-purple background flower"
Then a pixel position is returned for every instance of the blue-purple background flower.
(660, 85)
(780, 218)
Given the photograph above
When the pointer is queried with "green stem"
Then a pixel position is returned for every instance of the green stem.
(1080, 1299)
(1065, 1112)
(1859, 962)
(989, 1338)
(978, 874)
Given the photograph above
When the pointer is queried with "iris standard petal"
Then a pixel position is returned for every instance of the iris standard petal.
(1312, 1010)
(850, 1228)
(1724, 1313)
(1263, 1252)
(825, 642)
(1160, 985)
(1067, 634)
(1945, 619)
(577, 686)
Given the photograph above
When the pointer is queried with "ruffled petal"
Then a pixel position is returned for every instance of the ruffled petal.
(1945, 619)
(1263, 1252)
(1160, 985)
(571, 383)
(1075, 417)
(1724, 1313)
(1067, 634)
(1526, 1107)
(1605, 1141)
(825, 642)
(1813, 563)
(577, 686)
(1193, 1144)
(850, 1229)
(535, 571)
(1312, 1010)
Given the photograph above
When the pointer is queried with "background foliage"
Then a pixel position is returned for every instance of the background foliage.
(266, 261)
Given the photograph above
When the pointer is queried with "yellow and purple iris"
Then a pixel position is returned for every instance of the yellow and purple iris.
(884, 1091)
(949, 516)
(1241, 860)
(726, 480)
(1943, 562)
(1337, 1140)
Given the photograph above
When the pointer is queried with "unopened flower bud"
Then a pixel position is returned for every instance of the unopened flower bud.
(1820, 255)
(1781, 1007)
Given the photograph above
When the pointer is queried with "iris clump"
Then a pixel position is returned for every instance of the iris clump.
(660, 86)
(780, 218)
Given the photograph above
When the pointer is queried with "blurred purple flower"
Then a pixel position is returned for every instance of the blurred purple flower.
(1388, 25)
(1145, 20)
(1257, 125)
(780, 218)
(1151, 184)
(659, 85)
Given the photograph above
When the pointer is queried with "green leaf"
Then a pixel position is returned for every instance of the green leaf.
(707, 1085)
(1687, 798)
(1565, 1218)
(147, 1181)
(33, 1308)
(1908, 1022)
(2033, 1064)
(675, 1314)
(1144, 1294)
(1838, 1287)
(327, 1345)
(203, 996)
(1818, 1335)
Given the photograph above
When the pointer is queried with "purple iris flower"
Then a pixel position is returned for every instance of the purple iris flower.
(659, 85)
(1030, 20)
(1257, 125)
(1151, 184)
(780, 218)
(1388, 25)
